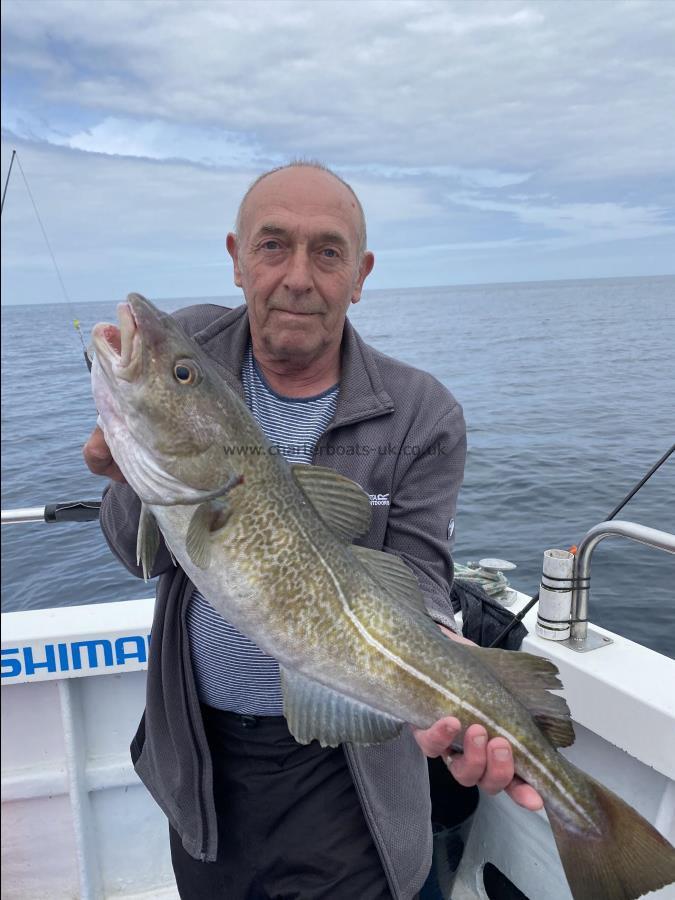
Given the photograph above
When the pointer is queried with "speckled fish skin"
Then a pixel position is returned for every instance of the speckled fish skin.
(281, 575)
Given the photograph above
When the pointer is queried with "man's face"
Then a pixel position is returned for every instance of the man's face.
(297, 260)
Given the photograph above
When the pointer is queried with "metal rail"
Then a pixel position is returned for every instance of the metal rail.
(652, 537)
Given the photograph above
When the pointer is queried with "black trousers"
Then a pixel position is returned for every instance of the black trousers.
(290, 826)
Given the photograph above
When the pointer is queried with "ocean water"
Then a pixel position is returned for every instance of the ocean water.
(569, 394)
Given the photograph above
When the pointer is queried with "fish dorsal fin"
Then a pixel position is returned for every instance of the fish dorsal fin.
(208, 518)
(342, 504)
(147, 541)
(316, 712)
(530, 679)
(394, 575)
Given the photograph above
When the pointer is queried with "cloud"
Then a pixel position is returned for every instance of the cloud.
(116, 222)
(458, 23)
(477, 135)
(575, 88)
(155, 139)
(463, 175)
(581, 222)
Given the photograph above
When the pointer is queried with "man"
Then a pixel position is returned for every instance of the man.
(271, 818)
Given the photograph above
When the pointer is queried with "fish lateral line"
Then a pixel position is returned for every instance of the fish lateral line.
(464, 705)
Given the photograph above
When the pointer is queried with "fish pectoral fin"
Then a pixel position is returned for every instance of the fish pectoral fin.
(208, 518)
(316, 712)
(147, 541)
(342, 504)
(531, 678)
(394, 576)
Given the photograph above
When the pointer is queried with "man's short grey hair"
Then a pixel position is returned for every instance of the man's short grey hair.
(308, 164)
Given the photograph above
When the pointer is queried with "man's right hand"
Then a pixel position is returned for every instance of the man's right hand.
(99, 459)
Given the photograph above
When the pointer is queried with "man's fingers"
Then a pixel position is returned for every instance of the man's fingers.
(435, 741)
(524, 795)
(113, 472)
(468, 768)
(488, 764)
(499, 770)
(98, 457)
(96, 452)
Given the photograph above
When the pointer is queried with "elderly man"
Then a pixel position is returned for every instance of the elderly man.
(252, 813)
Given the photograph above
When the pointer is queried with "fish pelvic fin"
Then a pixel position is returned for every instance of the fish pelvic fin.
(624, 859)
(147, 541)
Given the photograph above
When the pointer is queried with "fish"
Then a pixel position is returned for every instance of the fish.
(271, 547)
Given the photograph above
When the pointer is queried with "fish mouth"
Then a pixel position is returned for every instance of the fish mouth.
(118, 348)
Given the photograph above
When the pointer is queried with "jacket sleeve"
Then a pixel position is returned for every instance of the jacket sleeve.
(420, 527)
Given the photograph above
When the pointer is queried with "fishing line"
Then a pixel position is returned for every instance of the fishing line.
(633, 491)
(76, 321)
(4, 190)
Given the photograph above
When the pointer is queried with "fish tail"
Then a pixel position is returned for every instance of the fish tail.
(624, 858)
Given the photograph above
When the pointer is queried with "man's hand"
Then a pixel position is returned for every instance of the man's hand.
(99, 459)
(488, 764)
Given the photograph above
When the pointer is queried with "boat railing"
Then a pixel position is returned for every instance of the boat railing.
(581, 639)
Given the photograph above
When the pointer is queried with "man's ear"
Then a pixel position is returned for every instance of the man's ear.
(365, 268)
(233, 250)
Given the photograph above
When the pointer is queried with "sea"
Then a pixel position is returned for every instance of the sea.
(568, 389)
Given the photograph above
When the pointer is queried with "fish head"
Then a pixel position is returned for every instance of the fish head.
(160, 405)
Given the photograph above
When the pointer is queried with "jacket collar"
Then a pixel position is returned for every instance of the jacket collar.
(362, 392)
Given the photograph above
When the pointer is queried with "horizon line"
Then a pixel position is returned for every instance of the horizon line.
(366, 291)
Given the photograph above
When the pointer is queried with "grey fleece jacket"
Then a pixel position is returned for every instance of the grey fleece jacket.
(401, 435)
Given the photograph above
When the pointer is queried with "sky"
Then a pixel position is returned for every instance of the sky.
(488, 141)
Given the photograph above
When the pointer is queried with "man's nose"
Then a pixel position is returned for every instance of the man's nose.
(298, 277)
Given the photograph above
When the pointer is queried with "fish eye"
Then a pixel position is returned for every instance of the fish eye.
(185, 371)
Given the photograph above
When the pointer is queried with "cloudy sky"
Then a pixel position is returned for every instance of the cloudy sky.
(489, 141)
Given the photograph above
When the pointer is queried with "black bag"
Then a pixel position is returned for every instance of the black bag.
(483, 619)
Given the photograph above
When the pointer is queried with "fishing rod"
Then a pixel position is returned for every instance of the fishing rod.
(4, 190)
(67, 511)
(617, 509)
(76, 321)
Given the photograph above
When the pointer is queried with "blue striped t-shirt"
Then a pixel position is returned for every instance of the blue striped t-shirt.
(231, 671)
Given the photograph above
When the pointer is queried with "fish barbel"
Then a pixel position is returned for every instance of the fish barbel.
(270, 547)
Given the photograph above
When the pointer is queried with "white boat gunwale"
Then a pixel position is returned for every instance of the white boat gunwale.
(620, 698)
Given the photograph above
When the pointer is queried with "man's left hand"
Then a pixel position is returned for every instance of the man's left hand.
(488, 764)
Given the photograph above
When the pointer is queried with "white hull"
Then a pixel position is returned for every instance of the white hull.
(76, 821)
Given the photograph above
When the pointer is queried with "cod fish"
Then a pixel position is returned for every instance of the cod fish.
(270, 546)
